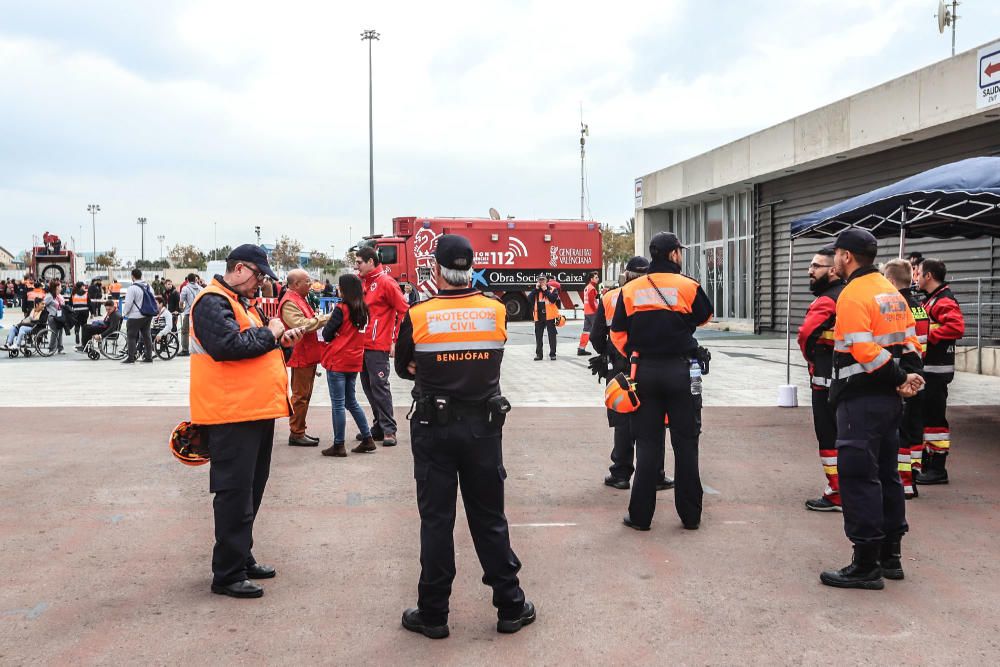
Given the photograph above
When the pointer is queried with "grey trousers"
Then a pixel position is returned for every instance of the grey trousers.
(375, 383)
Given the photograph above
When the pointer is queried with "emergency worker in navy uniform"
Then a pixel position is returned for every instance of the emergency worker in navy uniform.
(452, 346)
(609, 363)
(654, 322)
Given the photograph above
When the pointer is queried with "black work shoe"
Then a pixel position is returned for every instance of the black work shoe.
(239, 589)
(129, 361)
(823, 504)
(389, 440)
(302, 441)
(891, 558)
(552, 357)
(864, 571)
(628, 522)
(616, 483)
(582, 353)
(414, 622)
(691, 526)
(538, 358)
(665, 484)
(258, 571)
(927, 477)
(309, 437)
(527, 617)
(376, 435)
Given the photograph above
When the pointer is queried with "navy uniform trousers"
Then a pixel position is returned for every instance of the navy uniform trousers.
(867, 461)
(240, 465)
(664, 387)
(465, 452)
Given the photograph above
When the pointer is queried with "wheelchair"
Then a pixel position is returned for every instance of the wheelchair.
(112, 346)
(36, 342)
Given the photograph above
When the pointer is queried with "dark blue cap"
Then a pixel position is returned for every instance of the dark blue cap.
(859, 241)
(638, 264)
(454, 252)
(252, 254)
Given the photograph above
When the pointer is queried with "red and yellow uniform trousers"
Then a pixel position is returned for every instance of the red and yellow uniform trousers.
(947, 325)
(816, 342)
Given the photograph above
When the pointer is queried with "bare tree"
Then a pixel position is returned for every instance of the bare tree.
(286, 253)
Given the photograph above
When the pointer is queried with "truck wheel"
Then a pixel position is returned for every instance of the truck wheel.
(517, 307)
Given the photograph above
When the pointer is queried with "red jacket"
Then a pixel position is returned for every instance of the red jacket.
(386, 307)
(345, 350)
(309, 349)
(947, 326)
(589, 299)
(816, 336)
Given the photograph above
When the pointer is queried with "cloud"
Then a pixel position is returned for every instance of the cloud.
(247, 113)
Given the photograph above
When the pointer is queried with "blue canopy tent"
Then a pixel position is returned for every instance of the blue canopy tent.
(957, 199)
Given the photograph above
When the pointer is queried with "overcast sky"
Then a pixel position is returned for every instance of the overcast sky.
(246, 113)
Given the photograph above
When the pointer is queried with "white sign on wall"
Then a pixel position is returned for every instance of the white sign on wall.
(988, 80)
(638, 193)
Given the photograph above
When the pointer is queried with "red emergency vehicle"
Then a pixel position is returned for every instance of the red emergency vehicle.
(51, 260)
(510, 255)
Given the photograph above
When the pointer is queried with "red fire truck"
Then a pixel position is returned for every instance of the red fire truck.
(51, 261)
(510, 255)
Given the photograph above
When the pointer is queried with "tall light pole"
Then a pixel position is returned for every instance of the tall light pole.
(256, 230)
(161, 238)
(93, 210)
(215, 240)
(584, 133)
(142, 238)
(369, 36)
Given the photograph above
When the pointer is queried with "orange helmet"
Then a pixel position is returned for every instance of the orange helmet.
(187, 446)
(620, 395)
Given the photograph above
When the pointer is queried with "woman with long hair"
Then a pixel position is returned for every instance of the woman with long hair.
(54, 305)
(342, 359)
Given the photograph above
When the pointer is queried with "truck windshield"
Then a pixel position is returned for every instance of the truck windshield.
(387, 254)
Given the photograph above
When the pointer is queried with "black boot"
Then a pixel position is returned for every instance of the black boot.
(934, 471)
(863, 572)
(890, 556)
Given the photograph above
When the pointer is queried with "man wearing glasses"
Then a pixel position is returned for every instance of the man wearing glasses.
(239, 386)
(816, 342)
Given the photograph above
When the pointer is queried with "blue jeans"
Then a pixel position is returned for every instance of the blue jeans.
(342, 396)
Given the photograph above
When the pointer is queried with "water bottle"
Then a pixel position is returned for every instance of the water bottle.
(695, 378)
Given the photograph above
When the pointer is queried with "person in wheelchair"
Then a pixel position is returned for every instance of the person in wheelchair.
(112, 322)
(32, 322)
(163, 321)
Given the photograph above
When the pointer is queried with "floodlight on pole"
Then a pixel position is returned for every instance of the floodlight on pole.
(93, 210)
(369, 36)
(142, 237)
(161, 238)
(256, 230)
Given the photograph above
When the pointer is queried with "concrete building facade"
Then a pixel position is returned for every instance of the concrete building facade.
(734, 204)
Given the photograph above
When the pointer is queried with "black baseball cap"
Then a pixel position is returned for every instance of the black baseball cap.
(255, 255)
(859, 241)
(454, 252)
(665, 242)
(638, 264)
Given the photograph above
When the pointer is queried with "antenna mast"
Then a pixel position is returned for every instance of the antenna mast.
(948, 17)
(584, 132)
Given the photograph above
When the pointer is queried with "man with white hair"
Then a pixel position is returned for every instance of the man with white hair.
(295, 312)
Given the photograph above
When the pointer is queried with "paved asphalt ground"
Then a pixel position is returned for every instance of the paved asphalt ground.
(106, 539)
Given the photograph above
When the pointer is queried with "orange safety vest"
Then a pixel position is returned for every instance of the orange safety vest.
(874, 325)
(458, 343)
(662, 293)
(79, 300)
(115, 287)
(226, 392)
(551, 309)
(610, 302)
